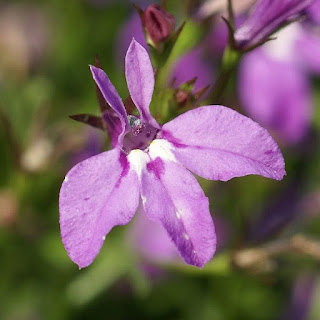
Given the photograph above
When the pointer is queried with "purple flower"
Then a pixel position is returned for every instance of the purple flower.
(301, 299)
(274, 87)
(267, 16)
(150, 164)
(314, 11)
(198, 68)
(150, 240)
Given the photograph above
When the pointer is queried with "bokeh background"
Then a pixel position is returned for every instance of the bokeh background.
(45, 49)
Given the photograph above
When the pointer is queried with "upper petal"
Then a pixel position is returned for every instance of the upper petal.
(96, 195)
(111, 95)
(172, 197)
(218, 143)
(140, 80)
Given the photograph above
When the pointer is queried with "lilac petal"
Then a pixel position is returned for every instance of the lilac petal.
(218, 143)
(266, 18)
(308, 49)
(173, 197)
(96, 195)
(140, 80)
(276, 94)
(111, 95)
(314, 11)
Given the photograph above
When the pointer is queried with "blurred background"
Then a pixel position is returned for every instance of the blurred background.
(267, 263)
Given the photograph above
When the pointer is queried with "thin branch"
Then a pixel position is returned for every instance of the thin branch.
(300, 244)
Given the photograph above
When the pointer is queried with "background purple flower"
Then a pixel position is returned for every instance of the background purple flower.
(132, 28)
(314, 11)
(301, 298)
(151, 240)
(275, 88)
(193, 65)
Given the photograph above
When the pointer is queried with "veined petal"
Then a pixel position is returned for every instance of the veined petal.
(266, 17)
(173, 197)
(111, 95)
(96, 195)
(218, 143)
(140, 80)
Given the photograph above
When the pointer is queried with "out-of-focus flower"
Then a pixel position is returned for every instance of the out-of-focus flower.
(211, 7)
(149, 239)
(307, 48)
(132, 28)
(158, 23)
(314, 11)
(266, 18)
(92, 147)
(193, 65)
(274, 87)
(150, 162)
(301, 298)
(24, 34)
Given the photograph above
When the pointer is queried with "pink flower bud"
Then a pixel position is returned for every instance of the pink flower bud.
(158, 23)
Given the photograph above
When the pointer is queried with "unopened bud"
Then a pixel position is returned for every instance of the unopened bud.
(158, 23)
(182, 98)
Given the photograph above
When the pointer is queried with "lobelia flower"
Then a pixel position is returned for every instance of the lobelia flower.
(274, 84)
(266, 17)
(150, 162)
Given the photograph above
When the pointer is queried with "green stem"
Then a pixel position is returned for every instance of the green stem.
(230, 60)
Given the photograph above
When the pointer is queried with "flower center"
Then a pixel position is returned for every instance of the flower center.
(140, 136)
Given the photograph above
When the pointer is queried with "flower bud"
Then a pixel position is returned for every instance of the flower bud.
(158, 23)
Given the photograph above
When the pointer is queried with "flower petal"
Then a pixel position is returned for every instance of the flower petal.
(111, 95)
(276, 94)
(266, 17)
(140, 80)
(173, 197)
(96, 195)
(218, 143)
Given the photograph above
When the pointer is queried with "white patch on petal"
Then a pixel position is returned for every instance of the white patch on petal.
(66, 179)
(185, 236)
(161, 148)
(144, 200)
(138, 160)
(179, 213)
(104, 238)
